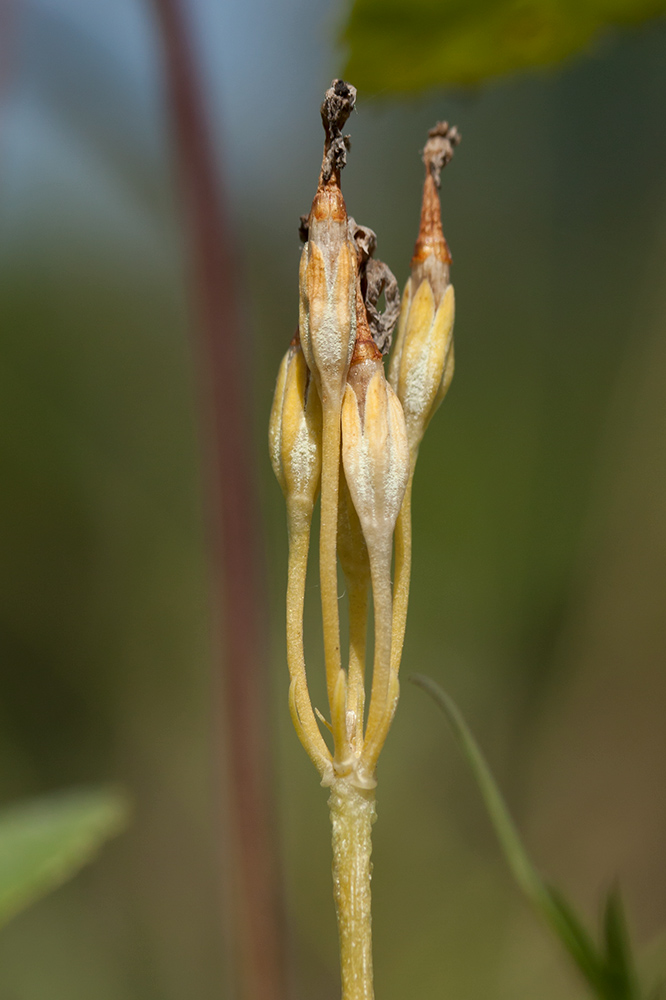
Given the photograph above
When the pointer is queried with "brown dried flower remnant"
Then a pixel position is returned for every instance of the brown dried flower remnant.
(338, 104)
(376, 277)
(438, 150)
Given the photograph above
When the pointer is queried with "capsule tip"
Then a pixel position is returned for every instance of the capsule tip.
(437, 152)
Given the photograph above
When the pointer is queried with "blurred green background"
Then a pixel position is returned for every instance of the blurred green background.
(539, 582)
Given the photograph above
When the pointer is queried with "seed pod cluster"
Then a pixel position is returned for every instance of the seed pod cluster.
(341, 427)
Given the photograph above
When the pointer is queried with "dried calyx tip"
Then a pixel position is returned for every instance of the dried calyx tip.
(339, 102)
(376, 277)
(438, 150)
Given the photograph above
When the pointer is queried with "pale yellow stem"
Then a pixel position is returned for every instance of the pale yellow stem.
(403, 569)
(358, 632)
(353, 556)
(328, 567)
(302, 713)
(352, 815)
(403, 565)
(379, 550)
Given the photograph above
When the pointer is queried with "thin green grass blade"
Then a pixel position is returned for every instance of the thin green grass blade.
(507, 834)
(45, 841)
(578, 942)
(620, 967)
(547, 901)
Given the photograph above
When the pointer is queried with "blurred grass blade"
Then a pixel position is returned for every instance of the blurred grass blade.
(594, 966)
(508, 836)
(45, 841)
(576, 940)
(619, 962)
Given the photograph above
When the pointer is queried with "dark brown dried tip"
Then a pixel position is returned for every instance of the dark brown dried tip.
(438, 150)
(339, 102)
(376, 277)
(365, 240)
(303, 228)
(380, 278)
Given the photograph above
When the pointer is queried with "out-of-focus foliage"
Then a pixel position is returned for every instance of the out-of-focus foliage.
(409, 45)
(608, 970)
(45, 841)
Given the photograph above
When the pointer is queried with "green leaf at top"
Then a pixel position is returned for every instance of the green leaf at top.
(45, 841)
(401, 46)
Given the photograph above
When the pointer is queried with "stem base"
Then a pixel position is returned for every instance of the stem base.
(353, 812)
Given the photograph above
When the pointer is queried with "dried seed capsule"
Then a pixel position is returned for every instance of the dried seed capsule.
(375, 450)
(421, 366)
(294, 432)
(328, 269)
(423, 372)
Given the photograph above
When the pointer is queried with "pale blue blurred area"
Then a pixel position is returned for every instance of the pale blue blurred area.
(84, 107)
(540, 568)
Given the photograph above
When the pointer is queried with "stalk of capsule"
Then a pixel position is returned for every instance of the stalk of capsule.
(295, 448)
(375, 455)
(422, 363)
(353, 555)
(327, 319)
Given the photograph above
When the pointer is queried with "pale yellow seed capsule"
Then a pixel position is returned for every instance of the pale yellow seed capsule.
(421, 367)
(423, 371)
(295, 430)
(327, 314)
(375, 454)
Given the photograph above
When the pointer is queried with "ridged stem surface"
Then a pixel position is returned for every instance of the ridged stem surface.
(352, 815)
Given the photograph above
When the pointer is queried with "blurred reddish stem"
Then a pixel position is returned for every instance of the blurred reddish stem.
(233, 511)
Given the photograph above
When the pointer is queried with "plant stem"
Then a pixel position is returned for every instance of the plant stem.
(353, 556)
(403, 569)
(328, 565)
(352, 815)
(380, 695)
(358, 631)
(305, 723)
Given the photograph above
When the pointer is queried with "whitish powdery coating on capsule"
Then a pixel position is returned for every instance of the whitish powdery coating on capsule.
(304, 457)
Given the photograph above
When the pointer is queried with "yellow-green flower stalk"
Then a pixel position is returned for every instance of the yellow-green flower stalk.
(355, 564)
(340, 427)
(375, 455)
(421, 366)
